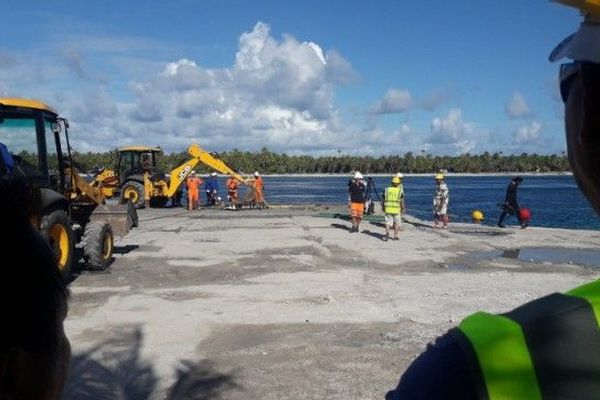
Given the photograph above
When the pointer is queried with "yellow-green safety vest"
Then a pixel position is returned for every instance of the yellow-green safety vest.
(393, 194)
(546, 349)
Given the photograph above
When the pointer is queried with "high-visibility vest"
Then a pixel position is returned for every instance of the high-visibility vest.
(546, 349)
(392, 199)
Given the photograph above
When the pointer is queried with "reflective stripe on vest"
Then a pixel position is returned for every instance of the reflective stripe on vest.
(392, 200)
(546, 349)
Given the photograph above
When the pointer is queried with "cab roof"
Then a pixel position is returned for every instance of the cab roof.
(141, 149)
(26, 103)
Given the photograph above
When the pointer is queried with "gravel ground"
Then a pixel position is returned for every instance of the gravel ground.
(287, 303)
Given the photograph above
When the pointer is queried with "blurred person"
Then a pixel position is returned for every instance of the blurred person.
(357, 198)
(259, 191)
(393, 207)
(441, 199)
(34, 350)
(233, 185)
(511, 205)
(547, 348)
(193, 184)
(211, 187)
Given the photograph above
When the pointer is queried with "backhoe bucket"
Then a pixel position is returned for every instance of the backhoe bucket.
(121, 217)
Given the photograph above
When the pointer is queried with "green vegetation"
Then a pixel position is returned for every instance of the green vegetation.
(267, 162)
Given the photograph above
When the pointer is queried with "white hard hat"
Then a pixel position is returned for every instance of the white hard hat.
(400, 175)
(358, 175)
(193, 173)
(213, 174)
(256, 173)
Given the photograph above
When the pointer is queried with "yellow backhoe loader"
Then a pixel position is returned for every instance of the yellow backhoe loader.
(138, 180)
(71, 209)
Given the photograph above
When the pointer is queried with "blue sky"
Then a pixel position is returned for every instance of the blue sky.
(318, 77)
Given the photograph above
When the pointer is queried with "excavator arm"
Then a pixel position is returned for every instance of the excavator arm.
(209, 160)
(179, 174)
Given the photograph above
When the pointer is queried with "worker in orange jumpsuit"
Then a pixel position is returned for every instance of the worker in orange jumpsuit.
(232, 190)
(259, 197)
(193, 183)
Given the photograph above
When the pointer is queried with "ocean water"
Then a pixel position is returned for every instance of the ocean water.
(555, 201)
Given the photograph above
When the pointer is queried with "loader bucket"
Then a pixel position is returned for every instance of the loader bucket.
(121, 217)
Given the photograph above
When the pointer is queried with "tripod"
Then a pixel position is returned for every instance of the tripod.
(372, 189)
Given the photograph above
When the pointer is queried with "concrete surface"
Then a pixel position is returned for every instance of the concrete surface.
(287, 303)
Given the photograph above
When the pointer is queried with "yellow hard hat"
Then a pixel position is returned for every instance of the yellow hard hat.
(439, 176)
(477, 215)
(396, 179)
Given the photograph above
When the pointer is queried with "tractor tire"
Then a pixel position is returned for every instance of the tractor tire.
(98, 245)
(56, 227)
(133, 191)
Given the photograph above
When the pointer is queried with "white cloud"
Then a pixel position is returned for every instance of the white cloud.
(278, 93)
(394, 101)
(517, 107)
(449, 129)
(436, 98)
(452, 135)
(529, 133)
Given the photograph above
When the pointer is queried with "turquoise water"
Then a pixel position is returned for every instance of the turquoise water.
(555, 201)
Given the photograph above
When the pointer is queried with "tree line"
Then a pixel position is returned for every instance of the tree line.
(269, 162)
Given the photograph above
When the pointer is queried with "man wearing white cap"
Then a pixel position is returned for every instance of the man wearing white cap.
(357, 194)
(259, 194)
(211, 187)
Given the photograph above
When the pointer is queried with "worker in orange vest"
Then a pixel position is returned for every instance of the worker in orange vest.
(232, 190)
(193, 184)
(259, 197)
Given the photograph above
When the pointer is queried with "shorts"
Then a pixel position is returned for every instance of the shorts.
(438, 216)
(391, 219)
(357, 209)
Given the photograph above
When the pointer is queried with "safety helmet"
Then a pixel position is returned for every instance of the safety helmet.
(395, 179)
(256, 173)
(439, 177)
(358, 175)
(400, 175)
(477, 215)
(193, 173)
(213, 174)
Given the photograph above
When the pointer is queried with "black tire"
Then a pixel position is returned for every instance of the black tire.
(133, 191)
(56, 227)
(98, 245)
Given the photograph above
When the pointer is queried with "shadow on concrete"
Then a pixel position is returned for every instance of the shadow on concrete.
(345, 217)
(128, 248)
(379, 224)
(111, 370)
(340, 226)
(200, 381)
(377, 235)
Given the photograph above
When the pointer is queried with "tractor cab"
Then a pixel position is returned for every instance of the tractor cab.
(136, 160)
(30, 146)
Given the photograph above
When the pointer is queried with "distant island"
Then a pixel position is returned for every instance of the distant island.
(269, 162)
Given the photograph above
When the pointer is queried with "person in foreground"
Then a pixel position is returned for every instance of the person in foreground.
(548, 348)
(34, 351)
